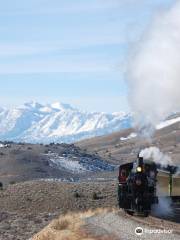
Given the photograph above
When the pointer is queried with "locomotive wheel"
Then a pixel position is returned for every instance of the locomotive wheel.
(129, 212)
(146, 214)
(121, 197)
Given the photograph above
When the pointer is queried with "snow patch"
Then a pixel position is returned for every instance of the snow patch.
(167, 123)
(79, 164)
(66, 163)
(4, 145)
(130, 136)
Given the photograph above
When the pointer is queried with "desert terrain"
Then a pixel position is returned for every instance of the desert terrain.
(35, 191)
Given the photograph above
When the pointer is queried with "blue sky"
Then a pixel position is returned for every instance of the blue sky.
(70, 51)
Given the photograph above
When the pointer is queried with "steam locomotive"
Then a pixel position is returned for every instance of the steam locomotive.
(137, 186)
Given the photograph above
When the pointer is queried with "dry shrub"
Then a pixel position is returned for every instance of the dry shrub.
(60, 224)
(70, 227)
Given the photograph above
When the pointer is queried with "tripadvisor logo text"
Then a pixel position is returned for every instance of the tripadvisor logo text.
(139, 231)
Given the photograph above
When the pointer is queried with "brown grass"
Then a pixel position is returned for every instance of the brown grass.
(70, 227)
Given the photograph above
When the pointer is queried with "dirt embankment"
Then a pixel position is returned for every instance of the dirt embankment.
(73, 227)
(106, 224)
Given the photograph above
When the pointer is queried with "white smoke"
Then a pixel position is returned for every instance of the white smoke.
(154, 154)
(154, 71)
(163, 208)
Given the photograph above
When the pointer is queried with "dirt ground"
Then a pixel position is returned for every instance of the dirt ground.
(27, 207)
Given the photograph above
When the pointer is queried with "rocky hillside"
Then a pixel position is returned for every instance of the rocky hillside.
(124, 146)
(64, 162)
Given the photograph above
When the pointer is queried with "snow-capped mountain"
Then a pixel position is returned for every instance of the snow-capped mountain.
(57, 122)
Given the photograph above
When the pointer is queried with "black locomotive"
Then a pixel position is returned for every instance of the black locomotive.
(137, 186)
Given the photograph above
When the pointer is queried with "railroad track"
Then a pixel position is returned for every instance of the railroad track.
(165, 221)
(173, 215)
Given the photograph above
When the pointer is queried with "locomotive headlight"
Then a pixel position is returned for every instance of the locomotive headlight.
(139, 169)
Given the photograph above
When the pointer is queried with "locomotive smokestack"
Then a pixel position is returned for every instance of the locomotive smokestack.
(140, 161)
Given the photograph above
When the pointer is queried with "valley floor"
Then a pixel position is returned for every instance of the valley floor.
(27, 207)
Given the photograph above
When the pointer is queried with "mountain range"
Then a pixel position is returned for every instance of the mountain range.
(58, 122)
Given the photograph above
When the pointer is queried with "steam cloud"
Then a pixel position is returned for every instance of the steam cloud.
(156, 155)
(163, 208)
(154, 71)
(154, 82)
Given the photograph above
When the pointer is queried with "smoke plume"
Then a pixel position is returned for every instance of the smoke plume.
(163, 208)
(154, 154)
(154, 71)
